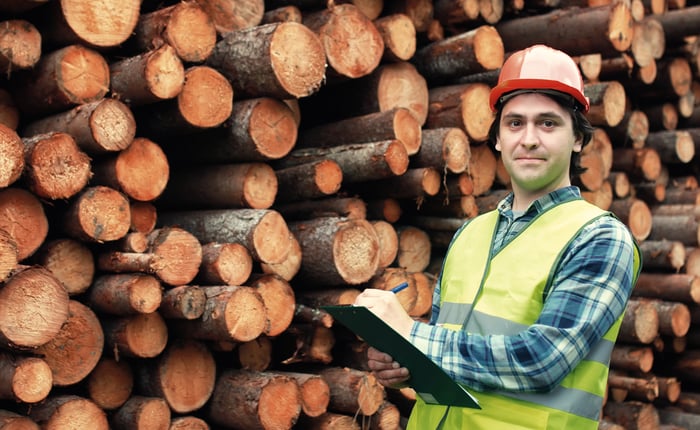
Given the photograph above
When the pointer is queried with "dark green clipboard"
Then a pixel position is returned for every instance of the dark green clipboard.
(429, 381)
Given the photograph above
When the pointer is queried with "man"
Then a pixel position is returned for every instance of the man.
(531, 295)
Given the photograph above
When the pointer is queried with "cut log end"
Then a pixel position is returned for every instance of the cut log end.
(408, 130)
(356, 251)
(32, 380)
(271, 226)
(273, 128)
(205, 109)
(488, 47)
(11, 156)
(84, 74)
(301, 65)
(99, 214)
(20, 44)
(280, 404)
(58, 168)
(101, 24)
(114, 125)
(191, 32)
(33, 308)
(142, 170)
(328, 176)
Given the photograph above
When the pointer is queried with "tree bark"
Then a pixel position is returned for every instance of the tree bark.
(683, 228)
(242, 185)
(70, 76)
(283, 60)
(205, 102)
(233, 15)
(607, 30)
(681, 287)
(395, 124)
(632, 358)
(231, 313)
(463, 106)
(185, 26)
(359, 162)
(152, 76)
(389, 86)
(635, 214)
(473, 51)
(640, 323)
(353, 391)
(125, 294)
(666, 255)
(642, 164)
(263, 232)
(140, 335)
(183, 302)
(24, 379)
(255, 400)
(99, 127)
(416, 183)
(633, 414)
(308, 181)
(673, 146)
(336, 251)
(444, 148)
(174, 256)
(608, 103)
(259, 129)
(345, 207)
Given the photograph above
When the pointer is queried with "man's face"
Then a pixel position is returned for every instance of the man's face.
(536, 139)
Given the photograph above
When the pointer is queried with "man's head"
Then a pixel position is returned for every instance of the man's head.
(541, 69)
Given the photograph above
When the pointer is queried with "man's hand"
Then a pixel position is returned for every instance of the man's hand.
(388, 372)
(387, 307)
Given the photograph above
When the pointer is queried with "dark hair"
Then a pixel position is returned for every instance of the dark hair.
(582, 127)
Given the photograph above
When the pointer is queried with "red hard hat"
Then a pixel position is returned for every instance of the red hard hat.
(539, 67)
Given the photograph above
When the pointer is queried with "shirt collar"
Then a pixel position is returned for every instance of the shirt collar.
(545, 202)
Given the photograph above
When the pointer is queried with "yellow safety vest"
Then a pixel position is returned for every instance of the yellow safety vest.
(503, 294)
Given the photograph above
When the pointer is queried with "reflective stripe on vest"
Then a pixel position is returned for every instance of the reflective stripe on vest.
(475, 288)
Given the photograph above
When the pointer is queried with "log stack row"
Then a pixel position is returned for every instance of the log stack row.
(184, 184)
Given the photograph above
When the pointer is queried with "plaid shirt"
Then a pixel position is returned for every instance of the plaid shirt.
(588, 294)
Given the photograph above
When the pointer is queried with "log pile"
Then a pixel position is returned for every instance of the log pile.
(184, 184)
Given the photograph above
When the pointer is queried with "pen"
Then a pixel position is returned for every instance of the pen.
(399, 287)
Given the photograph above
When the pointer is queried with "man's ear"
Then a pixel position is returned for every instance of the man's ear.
(578, 144)
(498, 144)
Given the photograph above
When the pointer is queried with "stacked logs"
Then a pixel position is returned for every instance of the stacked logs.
(184, 184)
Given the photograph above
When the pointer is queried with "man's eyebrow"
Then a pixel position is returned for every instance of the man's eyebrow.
(547, 114)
